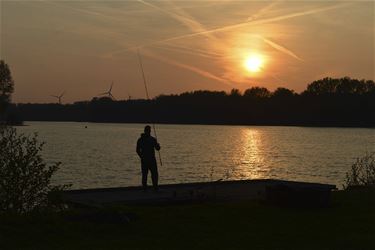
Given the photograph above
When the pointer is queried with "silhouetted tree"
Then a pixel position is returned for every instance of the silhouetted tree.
(257, 93)
(235, 93)
(324, 86)
(283, 93)
(341, 86)
(6, 87)
(325, 102)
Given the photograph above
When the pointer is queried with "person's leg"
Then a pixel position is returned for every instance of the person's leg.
(154, 176)
(144, 176)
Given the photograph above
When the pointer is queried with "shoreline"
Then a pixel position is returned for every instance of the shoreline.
(206, 124)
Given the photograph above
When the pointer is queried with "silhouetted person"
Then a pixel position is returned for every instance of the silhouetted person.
(146, 146)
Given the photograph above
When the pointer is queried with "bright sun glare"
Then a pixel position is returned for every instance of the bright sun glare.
(253, 63)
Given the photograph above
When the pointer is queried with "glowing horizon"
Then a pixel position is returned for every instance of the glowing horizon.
(80, 47)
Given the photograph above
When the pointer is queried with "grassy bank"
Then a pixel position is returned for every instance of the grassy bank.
(348, 224)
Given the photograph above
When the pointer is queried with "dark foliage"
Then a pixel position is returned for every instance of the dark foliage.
(24, 176)
(327, 102)
(6, 86)
(362, 172)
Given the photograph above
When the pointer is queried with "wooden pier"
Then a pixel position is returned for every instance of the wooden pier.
(278, 192)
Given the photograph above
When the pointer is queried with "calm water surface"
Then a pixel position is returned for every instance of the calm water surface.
(103, 155)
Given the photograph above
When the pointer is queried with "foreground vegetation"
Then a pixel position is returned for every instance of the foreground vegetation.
(25, 177)
(348, 224)
(362, 172)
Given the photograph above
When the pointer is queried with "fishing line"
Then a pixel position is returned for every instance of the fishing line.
(148, 98)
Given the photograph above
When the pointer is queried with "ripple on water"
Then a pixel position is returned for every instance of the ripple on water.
(104, 154)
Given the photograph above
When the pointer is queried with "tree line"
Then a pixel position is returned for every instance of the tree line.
(326, 102)
(6, 90)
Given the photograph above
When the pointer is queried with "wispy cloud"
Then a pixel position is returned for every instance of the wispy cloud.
(187, 51)
(87, 12)
(262, 11)
(240, 25)
(191, 68)
(280, 48)
(182, 16)
(257, 22)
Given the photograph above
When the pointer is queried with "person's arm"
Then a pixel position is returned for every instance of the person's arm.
(139, 150)
(157, 145)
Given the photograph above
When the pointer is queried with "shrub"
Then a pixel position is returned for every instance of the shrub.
(362, 172)
(24, 176)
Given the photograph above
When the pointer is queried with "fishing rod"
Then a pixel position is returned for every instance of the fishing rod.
(148, 98)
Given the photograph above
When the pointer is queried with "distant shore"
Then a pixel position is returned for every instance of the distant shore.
(328, 102)
(214, 124)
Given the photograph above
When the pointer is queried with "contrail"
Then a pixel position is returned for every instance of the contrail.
(262, 11)
(195, 51)
(196, 25)
(239, 25)
(199, 27)
(191, 24)
(185, 66)
(277, 78)
(280, 48)
(183, 18)
(262, 21)
(111, 17)
(206, 52)
(108, 34)
(186, 51)
(185, 21)
(92, 13)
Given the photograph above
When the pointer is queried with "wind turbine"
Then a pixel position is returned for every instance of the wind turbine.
(109, 92)
(59, 96)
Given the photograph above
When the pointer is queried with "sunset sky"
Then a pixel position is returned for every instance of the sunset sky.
(82, 46)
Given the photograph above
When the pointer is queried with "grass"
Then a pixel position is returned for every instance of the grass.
(348, 224)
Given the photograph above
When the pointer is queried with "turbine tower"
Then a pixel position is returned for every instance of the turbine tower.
(59, 96)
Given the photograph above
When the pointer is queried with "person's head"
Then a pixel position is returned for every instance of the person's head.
(147, 130)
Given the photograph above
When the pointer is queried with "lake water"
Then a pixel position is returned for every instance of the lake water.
(103, 155)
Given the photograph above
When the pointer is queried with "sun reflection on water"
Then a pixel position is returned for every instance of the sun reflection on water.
(252, 160)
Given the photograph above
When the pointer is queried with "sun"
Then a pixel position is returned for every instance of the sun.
(253, 63)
